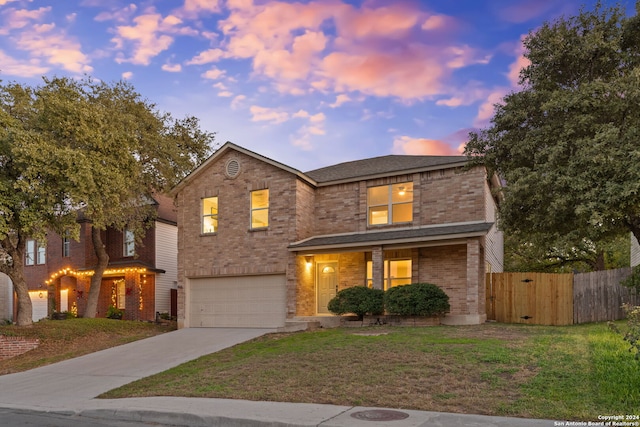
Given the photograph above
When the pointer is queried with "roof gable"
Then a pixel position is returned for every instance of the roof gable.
(231, 146)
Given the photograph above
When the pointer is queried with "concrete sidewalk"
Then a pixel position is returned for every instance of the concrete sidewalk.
(70, 387)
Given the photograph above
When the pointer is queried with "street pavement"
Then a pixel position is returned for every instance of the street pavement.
(70, 388)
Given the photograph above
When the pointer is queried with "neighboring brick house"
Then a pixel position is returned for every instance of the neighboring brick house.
(139, 278)
(261, 243)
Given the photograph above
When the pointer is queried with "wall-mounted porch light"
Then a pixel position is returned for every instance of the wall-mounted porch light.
(308, 259)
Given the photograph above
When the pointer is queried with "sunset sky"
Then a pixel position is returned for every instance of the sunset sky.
(306, 83)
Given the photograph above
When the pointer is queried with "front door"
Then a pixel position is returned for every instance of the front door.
(327, 284)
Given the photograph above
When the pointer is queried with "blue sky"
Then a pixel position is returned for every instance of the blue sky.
(307, 83)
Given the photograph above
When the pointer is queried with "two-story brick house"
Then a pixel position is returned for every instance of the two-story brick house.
(139, 278)
(261, 243)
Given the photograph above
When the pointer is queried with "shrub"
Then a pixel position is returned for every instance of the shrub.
(358, 300)
(416, 299)
(632, 333)
(114, 313)
(633, 281)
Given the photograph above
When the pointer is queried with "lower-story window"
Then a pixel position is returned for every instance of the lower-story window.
(396, 272)
(119, 294)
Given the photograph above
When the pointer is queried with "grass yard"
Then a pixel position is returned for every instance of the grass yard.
(561, 373)
(65, 339)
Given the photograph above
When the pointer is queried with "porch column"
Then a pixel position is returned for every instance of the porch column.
(475, 280)
(377, 262)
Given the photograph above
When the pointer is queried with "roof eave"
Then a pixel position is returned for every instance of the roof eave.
(391, 173)
(387, 242)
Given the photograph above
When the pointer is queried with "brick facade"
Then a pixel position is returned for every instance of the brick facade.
(301, 209)
(15, 346)
(52, 277)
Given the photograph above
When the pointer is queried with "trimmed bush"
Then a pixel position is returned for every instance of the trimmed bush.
(358, 300)
(416, 299)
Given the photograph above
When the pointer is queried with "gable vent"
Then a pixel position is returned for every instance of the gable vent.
(233, 168)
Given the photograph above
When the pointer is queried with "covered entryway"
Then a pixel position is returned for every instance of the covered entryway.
(239, 301)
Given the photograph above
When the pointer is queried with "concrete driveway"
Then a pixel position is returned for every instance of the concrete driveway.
(70, 384)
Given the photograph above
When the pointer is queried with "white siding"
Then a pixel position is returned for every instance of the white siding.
(635, 251)
(494, 241)
(6, 298)
(166, 259)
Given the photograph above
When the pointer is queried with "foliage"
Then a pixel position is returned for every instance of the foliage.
(632, 332)
(416, 299)
(566, 144)
(556, 254)
(633, 281)
(114, 313)
(358, 300)
(108, 152)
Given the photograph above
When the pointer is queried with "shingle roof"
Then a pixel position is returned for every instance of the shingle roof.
(393, 236)
(380, 166)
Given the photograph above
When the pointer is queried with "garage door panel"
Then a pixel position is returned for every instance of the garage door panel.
(249, 301)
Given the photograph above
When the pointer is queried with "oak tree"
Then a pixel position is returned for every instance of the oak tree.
(568, 143)
(97, 149)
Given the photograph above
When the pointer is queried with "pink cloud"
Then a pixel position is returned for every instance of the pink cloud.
(387, 21)
(520, 63)
(439, 23)
(422, 146)
(523, 10)
(410, 74)
(14, 67)
(43, 41)
(21, 18)
(486, 110)
(172, 68)
(264, 114)
(119, 15)
(373, 51)
(150, 35)
(206, 57)
(196, 8)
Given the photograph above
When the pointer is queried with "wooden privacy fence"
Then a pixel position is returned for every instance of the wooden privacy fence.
(558, 299)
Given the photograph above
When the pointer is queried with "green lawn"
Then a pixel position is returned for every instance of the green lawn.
(560, 373)
(65, 339)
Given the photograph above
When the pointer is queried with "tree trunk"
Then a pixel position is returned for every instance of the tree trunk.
(96, 279)
(15, 271)
(599, 262)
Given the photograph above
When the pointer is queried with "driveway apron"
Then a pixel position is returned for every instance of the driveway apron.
(71, 383)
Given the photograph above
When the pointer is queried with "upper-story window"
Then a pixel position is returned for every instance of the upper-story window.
(390, 204)
(66, 245)
(209, 215)
(259, 209)
(35, 253)
(129, 248)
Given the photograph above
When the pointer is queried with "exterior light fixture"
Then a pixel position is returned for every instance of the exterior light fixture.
(308, 260)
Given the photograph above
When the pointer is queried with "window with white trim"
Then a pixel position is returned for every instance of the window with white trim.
(66, 245)
(390, 204)
(209, 215)
(129, 247)
(397, 272)
(35, 253)
(259, 209)
(30, 253)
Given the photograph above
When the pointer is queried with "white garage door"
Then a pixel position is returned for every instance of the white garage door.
(244, 301)
(39, 301)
